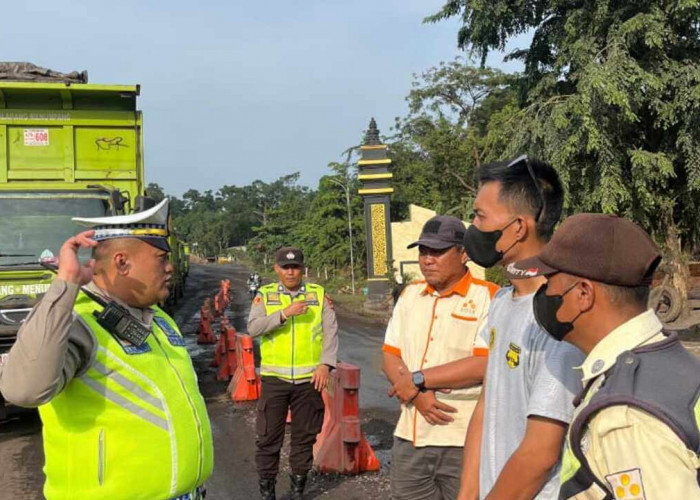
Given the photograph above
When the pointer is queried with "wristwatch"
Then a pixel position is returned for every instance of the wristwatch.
(418, 380)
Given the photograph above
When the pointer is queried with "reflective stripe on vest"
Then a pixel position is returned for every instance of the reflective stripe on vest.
(293, 350)
(134, 425)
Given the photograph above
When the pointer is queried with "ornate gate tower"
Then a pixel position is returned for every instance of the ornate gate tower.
(375, 189)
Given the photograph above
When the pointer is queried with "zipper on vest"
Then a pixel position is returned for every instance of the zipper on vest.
(292, 347)
(101, 457)
(192, 406)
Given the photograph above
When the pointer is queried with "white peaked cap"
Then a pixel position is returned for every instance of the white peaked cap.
(150, 225)
(157, 215)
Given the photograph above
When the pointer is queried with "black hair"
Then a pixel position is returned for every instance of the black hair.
(519, 191)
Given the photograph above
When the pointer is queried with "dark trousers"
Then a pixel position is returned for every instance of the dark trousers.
(427, 473)
(306, 404)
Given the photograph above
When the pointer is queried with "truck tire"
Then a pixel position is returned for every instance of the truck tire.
(666, 302)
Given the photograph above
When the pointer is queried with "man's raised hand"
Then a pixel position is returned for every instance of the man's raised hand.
(69, 267)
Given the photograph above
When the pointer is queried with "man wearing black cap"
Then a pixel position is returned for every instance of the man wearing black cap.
(635, 432)
(435, 321)
(117, 393)
(299, 342)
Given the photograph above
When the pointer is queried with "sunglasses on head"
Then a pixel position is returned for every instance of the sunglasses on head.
(524, 159)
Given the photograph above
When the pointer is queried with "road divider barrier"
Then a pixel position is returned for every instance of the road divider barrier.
(204, 332)
(221, 344)
(341, 447)
(245, 384)
(222, 299)
(225, 353)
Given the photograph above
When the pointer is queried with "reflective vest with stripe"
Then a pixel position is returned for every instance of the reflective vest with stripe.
(134, 425)
(293, 350)
(662, 379)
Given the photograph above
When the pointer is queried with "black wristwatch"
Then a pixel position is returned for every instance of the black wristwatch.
(418, 380)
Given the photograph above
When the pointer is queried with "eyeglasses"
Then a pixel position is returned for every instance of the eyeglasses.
(518, 161)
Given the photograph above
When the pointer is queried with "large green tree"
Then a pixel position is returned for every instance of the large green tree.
(610, 95)
(440, 143)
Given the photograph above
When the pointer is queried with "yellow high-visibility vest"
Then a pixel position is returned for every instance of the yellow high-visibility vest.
(134, 425)
(293, 350)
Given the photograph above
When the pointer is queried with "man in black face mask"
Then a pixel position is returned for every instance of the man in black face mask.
(516, 433)
(635, 432)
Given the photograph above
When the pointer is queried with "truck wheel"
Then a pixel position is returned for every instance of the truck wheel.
(666, 302)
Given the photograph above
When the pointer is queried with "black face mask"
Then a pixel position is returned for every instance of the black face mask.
(481, 245)
(545, 308)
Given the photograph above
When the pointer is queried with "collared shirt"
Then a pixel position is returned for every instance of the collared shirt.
(633, 453)
(260, 323)
(53, 346)
(429, 329)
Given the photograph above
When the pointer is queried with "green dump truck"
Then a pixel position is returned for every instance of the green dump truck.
(66, 150)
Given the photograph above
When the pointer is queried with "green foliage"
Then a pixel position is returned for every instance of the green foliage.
(442, 141)
(610, 96)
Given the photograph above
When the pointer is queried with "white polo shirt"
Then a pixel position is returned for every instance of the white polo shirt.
(430, 329)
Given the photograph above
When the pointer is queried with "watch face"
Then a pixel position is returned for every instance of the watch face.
(418, 379)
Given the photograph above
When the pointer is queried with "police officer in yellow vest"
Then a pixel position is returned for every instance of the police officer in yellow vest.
(635, 432)
(116, 390)
(298, 347)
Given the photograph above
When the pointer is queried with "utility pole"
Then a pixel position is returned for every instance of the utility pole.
(346, 188)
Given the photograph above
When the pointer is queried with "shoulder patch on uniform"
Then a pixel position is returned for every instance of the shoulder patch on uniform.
(257, 299)
(627, 484)
(329, 301)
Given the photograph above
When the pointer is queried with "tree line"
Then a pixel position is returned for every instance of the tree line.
(609, 95)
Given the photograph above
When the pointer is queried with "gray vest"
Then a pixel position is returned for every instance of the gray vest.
(663, 379)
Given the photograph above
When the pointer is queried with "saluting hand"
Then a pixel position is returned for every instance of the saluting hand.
(69, 267)
(296, 308)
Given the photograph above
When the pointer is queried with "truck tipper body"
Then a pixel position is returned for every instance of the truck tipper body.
(66, 150)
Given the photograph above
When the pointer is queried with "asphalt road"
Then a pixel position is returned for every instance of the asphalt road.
(234, 477)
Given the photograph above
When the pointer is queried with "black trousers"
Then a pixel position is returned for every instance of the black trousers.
(307, 408)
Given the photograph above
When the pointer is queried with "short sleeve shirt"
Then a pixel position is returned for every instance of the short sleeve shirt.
(529, 374)
(430, 329)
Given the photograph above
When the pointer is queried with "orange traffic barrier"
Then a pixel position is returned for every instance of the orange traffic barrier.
(341, 446)
(226, 289)
(222, 299)
(221, 345)
(228, 360)
(204, 333)
(245, 384)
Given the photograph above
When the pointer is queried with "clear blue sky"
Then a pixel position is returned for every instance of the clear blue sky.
(236, 91)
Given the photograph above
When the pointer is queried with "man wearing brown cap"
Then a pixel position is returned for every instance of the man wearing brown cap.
(299, 342)
(435, 321)
(635, 432)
